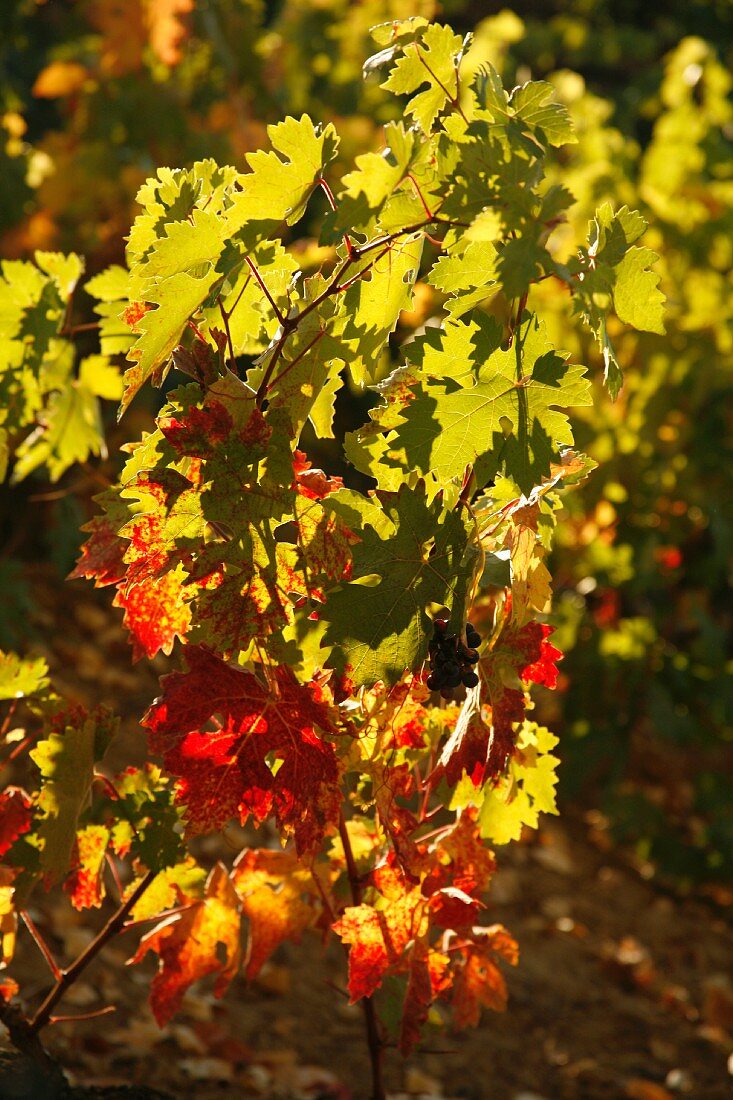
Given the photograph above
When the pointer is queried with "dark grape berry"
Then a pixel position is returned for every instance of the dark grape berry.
(451, 658)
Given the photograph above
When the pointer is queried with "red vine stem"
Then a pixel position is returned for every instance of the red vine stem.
(41, 944)
(72, 1019)
(273, 304)
(67, 977)
(225, 318)
(289, 324)
(374, 1039)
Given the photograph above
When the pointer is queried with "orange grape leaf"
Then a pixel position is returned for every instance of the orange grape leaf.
(156, 613)
(85, 884)
(221, 731)
(189, 945)
(15, 816)
(461, 858)
(122, 27)
(378, 938)
(279, 898)
(478, 981)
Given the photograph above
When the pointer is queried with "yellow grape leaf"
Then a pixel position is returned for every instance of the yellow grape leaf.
(8, 916)
(172, 886)
(189, 945)
(525, 792)
(520, 796)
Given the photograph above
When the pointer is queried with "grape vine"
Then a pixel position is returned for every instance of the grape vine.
(352, 666)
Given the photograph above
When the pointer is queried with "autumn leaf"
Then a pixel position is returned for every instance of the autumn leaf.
(429, 978)
(16, 816)
(378, 939)
(484, 737)
(220, 729)
(190, 946)
(156, 613)
(85, 884)
(9, 988)
(66, 760)
(279, 897)
(59, 79)
(166, 29)
(8, 916)
(478, 981)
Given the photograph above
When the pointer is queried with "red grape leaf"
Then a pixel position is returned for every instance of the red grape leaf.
(484, 736)
(429, 978)
(226, 771)
(15, 816)
(189, 945)
(8, 989)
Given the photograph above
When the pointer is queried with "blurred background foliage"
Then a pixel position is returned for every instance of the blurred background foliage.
(95, 94)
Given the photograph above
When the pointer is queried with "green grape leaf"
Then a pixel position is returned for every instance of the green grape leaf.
(282, 180)
(467, 273)
(501, 413)
(64, 270)
(613, 271)
(532, 104)
(527, 790)
(66, 761)
(378, 625)
(432, 60)
(372, 306)
(367, 188)
(303, 373)
(71, 423)
(177, 299)
(21, 676)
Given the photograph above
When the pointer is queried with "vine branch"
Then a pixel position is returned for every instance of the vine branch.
(67, 977)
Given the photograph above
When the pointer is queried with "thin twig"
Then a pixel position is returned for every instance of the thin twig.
(420, 195)
(275, 308)
(72, 330)
(115, 875)
(318, 336)
(225, 318)
(9, 717)
(41, 944)
(93, 1015)
(68, 977)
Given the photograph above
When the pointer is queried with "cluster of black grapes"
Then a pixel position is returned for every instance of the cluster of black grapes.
(451, 660)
